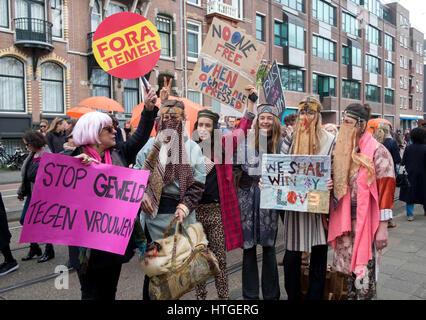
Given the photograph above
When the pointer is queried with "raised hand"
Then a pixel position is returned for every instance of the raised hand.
(165, 91)
(150, 100)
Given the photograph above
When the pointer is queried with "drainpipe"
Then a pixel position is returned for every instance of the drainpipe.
(339, 61)
(185, 51)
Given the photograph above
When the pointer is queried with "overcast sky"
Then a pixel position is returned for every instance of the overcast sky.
(417, 10)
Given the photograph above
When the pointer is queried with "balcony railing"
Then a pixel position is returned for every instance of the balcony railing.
(31, 32)
(214, 6)
(89, 42)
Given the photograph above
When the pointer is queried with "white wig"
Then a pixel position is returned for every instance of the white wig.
(88, 128)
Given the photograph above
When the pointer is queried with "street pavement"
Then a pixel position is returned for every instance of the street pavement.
(402, 270)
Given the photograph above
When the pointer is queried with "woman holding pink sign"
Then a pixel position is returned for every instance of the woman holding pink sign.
(94, 134)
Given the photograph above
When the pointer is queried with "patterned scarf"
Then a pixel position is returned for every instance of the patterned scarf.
(168, 161)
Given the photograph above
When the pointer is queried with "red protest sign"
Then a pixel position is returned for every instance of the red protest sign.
(126, 45)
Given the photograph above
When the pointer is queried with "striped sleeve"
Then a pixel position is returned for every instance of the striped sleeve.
(386, 183)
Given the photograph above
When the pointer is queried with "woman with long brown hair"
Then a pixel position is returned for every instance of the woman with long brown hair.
(259, 225)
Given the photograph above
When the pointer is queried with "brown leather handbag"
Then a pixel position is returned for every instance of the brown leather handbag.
(199, 266)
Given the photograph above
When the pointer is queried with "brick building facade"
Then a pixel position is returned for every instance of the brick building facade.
(344, 51)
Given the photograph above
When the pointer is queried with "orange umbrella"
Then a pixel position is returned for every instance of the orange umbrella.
(373, 124)
(103, 103)
(136, 115)
(191, 112)
(77, 112)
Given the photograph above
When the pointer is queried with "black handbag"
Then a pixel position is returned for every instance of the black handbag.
(402, 180)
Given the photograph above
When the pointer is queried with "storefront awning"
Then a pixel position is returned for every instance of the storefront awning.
(410, 117)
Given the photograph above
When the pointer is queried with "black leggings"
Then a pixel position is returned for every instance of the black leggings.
(317, 273)
(99, 284)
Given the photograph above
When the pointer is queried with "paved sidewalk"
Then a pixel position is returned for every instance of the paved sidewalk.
(9, 176)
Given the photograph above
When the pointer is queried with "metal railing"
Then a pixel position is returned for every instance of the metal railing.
(214, 6)
(31, 30)
(90, 41)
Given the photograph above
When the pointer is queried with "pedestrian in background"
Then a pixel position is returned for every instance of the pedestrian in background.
(44, 125)
(383, 135)
(414, 160)
(9, 264)
(36, 144)
(56, 135)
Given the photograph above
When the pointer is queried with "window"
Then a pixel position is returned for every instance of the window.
(293, 4)
(389, 70)
(113, 9)
(12, 90)
(292, 79)
(351, 56)
(324, 86)
(372, 64)
(374, 6)
(195, 96)
(52, 84)
(4, 13)
(193, 39)
(196, 2)
(372, 93)
(30, 9)
(323, 48)
(288, 34)
(351, 90)
(101, 83)
(389, 96)
(389, 43)
(296, 36)
(350, 24)
(324, 12)
(280, 34)
(164, 27)
(130, 94)
(260, 27)
(373, 35)
(56, 17)
(95, 17)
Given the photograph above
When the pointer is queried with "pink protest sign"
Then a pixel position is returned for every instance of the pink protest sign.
(87, 206)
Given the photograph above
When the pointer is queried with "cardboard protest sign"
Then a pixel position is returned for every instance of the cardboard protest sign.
(227, 63)
(87, 206)
(272, 88)
(126, 45)
(296, 183)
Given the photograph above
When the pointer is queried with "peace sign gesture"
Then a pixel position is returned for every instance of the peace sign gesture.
(165, 91)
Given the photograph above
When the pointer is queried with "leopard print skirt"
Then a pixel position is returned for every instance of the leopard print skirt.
(210, 216)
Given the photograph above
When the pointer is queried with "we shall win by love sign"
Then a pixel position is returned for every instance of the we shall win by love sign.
(296, 183)
(86, 206)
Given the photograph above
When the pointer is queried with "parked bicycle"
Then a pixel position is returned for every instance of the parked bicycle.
(14, 161)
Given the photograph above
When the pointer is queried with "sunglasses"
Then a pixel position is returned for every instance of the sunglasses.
(42, 126)
(109, 128)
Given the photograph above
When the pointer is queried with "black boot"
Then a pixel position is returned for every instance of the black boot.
(48, 254)
(34, 250)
